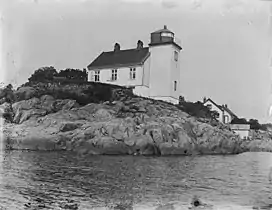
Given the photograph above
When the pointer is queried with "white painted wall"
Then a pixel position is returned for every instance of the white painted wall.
(168, 99)
(141, 91)
(175, 73)
(163, 72)
(146, 72)
(123, 76)
(241, 129)
(215, 108)
(244, 134)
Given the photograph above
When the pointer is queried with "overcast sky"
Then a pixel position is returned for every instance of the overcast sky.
(226, 43)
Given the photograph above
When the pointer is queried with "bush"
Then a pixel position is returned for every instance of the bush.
(43, 74)
(73, 74)
(82, 91)
(254, 124)
(197, 109)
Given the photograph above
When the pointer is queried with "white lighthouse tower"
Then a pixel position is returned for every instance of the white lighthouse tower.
(270, 59)
(164, 66)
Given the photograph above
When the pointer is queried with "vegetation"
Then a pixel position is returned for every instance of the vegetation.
(73, 74)
(47, 74)
(43, 74)
(197, 109)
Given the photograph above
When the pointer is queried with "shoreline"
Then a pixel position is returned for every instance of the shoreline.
(134, 155)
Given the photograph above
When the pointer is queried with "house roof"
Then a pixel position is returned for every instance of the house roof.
(229, 111)
(120, 58)
(222, 107)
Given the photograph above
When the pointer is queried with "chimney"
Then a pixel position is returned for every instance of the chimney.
(116, 47)
(140, 44)
(204, 99)
(164, 27)
(226, 105)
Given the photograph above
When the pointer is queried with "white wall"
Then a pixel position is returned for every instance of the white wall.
(163, 72)
(146, 74)
(123, 76)
(168, 99)
(215, 108)
(241, 129)
(141, 91)
(244, 134)
(175, 73)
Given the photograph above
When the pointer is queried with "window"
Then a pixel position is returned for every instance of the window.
(175, 85)
(96, 76)
(176, 56)
(132, 74)
(167, 34)
(114, 74)
(226, 119)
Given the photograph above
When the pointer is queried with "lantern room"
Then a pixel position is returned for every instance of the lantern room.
(162, 36)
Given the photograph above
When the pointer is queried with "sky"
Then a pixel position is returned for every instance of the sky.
(226, 43)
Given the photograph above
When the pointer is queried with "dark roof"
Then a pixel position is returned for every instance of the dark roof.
(120, 58)
(229, 111)
(165, 29)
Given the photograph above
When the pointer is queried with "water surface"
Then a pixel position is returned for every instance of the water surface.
(53, 180)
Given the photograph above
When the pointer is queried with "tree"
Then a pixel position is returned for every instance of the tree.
(266, 127)
(73, 74)
(43, 74)
(254, 124)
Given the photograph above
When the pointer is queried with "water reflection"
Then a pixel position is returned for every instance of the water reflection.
(53, 180)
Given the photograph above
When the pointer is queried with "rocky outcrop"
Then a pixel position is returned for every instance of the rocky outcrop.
(135, 126)
(36, 107)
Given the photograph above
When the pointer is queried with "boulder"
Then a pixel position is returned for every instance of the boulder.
(69, 126)
(25, 93)
(24, 115)
(27, 104)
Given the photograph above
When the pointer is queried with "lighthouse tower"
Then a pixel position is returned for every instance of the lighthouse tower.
(270, 60)
(164, 66)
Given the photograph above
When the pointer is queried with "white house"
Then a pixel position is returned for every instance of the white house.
(241, 129)
(152, 71)
(225, 114)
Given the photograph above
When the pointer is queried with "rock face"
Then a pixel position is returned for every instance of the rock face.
(132, 127)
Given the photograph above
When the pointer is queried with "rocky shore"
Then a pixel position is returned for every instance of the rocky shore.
(126, 126)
